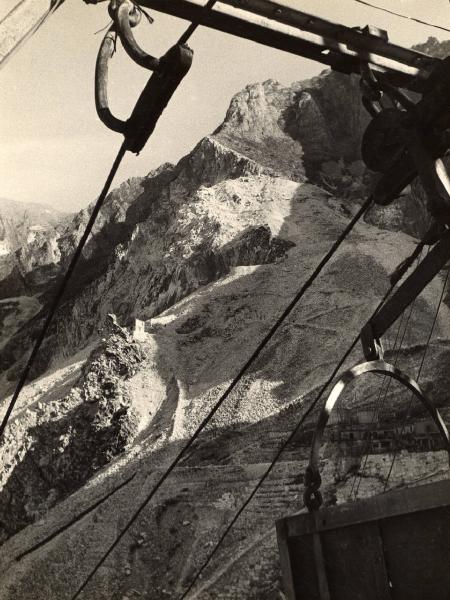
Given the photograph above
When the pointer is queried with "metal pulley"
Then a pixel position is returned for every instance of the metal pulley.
(409, 138)
(382, 143)
(168, 71)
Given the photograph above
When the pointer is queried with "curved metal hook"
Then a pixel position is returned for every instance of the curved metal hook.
(123, 18)
(382, 368)
(101, 83)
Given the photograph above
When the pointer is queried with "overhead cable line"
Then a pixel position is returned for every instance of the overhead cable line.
(77, 254)
(419, 373)
(75, 519)
(402, 16)
(380, 404)
(381, 400)
(281, 449)
(62, 288)
(287, 311)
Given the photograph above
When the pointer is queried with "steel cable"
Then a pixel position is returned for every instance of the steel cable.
(381, 401)
(54, 5)
(287, 311)
(402, 16)
(77, 254)
(281, 449)
(419, 372)
(62, 288)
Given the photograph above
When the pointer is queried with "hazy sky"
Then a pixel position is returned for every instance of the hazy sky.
(54, 149)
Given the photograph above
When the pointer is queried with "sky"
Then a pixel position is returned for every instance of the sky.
(55, 151)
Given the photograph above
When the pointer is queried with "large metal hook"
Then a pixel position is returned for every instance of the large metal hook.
(172, 67)
(312, 496)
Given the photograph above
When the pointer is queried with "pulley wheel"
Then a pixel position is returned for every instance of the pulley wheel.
(382, 143)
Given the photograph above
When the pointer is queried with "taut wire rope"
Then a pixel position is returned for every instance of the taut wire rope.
(280, 320)
(381, 401)
(61, 289)
(402, 16)
(419, 372)
(281, 449)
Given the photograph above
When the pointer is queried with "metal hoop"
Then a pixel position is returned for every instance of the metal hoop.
(382, 368)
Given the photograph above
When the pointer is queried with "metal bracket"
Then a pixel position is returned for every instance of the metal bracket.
(430, 266)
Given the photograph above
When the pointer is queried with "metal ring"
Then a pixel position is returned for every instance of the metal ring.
(134, 51)
(101, 83)
(382, 368)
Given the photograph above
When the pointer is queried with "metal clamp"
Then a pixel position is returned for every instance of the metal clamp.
(172, 67)
(312, 499)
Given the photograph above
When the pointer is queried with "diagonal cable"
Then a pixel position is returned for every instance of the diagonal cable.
(419, 372)
(381, 401)
(402, 16)
(263, 343)
(62, 288)
(280, 451)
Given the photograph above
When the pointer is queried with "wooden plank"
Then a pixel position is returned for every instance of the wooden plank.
(303, 568)
(285, 561)
(20, 24)
(322, 577)
(355, 563)
(417, 551)
(352, 37)
(390, 504)
(276, 32)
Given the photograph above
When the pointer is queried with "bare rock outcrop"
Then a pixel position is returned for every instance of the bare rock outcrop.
(61, 439)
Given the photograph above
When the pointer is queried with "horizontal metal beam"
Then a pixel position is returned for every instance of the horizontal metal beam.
(353, 37)
(274, 25)
(20, 24)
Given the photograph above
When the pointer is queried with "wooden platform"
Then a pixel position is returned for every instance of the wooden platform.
(392, 546)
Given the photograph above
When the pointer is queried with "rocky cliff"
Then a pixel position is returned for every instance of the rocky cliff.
(208, 253)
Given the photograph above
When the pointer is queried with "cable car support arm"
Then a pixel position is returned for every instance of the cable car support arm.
(275, 25)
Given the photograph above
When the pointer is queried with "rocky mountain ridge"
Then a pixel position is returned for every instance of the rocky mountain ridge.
(208, 253)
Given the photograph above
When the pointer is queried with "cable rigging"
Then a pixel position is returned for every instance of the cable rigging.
(400, 143)
(381, 400)
(280, 451)
(61, 289)
(402, 16)
(287, 311)
(419, 372)
(136, 130)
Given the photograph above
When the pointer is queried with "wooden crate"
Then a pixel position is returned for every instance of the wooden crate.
(393, 546)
